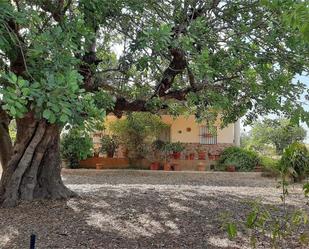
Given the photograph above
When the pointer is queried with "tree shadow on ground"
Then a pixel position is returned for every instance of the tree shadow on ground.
(125, 217)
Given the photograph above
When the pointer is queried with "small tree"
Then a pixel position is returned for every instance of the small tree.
(295, 161)
(75, 146)
(109, 144)
(137, 131)
(278, 133)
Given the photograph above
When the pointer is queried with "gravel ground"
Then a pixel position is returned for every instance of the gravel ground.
(141, 209)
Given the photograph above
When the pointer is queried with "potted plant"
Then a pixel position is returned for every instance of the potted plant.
(230, 168)
(96, 152)
(76, 145)
(177, 148)
(167, 166)
(211, 157)
(156, 146)
(155, 166)
(201, 166)
(258, 168)
(166, 150)
(176, 166)
(109, 144)
(201, 154)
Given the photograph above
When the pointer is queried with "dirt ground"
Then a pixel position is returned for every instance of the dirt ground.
(141, 209)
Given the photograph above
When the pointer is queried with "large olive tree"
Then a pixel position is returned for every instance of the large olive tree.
(67, 61)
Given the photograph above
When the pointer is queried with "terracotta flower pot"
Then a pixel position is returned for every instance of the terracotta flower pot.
(201, 167)
(217, 157)
(201, 156)
(176, 155)
(231, 168)
(154, 166)
(258, 168)
(110, 154)
(212, 157)
(167, 166)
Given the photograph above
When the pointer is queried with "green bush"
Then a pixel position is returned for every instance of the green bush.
(137, 132)
(242, 159)
(109, 144)
(270, 166)
(295, 161)
(177, 147)
(76, 146)
(158, 144)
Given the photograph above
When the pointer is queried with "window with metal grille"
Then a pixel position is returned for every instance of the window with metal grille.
(208, 135)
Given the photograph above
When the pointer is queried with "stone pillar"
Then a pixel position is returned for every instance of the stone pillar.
(237, 133)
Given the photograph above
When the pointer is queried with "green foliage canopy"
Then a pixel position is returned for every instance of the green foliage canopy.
(279, 133)
(58, 58)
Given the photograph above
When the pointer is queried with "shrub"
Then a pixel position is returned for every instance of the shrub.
(76, 146)
(137, 132)
(270, 166)
(242, 159)
(158, 144)
(295, 161)
(177, 147)
(109, 144)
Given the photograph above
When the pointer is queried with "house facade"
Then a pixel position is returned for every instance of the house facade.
(187, 130)
(193, 135)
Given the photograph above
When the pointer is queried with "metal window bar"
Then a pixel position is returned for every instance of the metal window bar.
(206, 135)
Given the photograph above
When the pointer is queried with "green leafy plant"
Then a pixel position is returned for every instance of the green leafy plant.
(274, 226)
(109, 144)
(242, 159)
(158, 144)
(137, 131)
(295, 161)
(177, 147)
(76, 145)
(270, 166)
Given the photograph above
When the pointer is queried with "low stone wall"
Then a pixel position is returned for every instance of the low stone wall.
(209, 149)
(104, 163)
(184, 161)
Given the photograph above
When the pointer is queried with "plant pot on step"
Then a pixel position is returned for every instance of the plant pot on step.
(212, 157)
(258, 168)
(202, 156)
(110, 154)
(154, 166)
(201, 167)
(231, 168)
(96, 154)
(167, 167)
(176, 155)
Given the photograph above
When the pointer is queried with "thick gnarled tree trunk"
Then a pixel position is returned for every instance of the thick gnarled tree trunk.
(34, 169)
(6, 147)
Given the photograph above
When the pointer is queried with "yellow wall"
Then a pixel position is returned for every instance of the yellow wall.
(181, 123)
